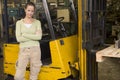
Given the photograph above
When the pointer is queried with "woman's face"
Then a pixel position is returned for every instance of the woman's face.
(29, 11)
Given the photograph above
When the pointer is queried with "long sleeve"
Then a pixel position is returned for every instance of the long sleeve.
(19, 36)
(35, 36)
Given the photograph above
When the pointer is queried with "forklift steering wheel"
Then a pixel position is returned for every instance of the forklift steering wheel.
(59, 26)
(59, 19)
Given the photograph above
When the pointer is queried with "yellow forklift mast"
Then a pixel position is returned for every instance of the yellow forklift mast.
(91, 14)
(69, 43)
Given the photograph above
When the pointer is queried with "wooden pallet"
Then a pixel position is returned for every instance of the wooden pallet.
(107, 52)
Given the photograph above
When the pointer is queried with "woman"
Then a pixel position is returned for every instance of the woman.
(28, 34)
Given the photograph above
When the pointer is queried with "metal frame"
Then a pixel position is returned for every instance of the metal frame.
(74, 14)
(6, 21)
(48, 17)
(91, 32)
(95, 35)
(1, 22)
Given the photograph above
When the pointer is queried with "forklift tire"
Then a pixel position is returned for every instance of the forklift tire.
(71, 79)
(68, 79)
(9, 77)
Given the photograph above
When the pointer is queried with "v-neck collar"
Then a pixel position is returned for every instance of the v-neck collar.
(27, 23)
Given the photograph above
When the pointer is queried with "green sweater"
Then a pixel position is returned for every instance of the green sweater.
(27, 37)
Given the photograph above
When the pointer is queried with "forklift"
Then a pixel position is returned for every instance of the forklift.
(68, 46)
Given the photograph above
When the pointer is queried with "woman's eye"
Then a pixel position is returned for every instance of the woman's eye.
(28, 10)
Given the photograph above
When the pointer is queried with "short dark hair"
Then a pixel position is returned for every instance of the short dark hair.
(29, 4)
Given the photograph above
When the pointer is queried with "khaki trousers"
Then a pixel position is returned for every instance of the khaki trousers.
(27, 55)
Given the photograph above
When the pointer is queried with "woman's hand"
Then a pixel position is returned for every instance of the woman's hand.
(38, 32)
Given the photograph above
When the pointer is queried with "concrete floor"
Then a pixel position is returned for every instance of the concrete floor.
(107, 70)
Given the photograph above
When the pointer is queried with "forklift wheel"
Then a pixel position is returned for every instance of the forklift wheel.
(67, 79)
(9, 77)
(70, 79)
